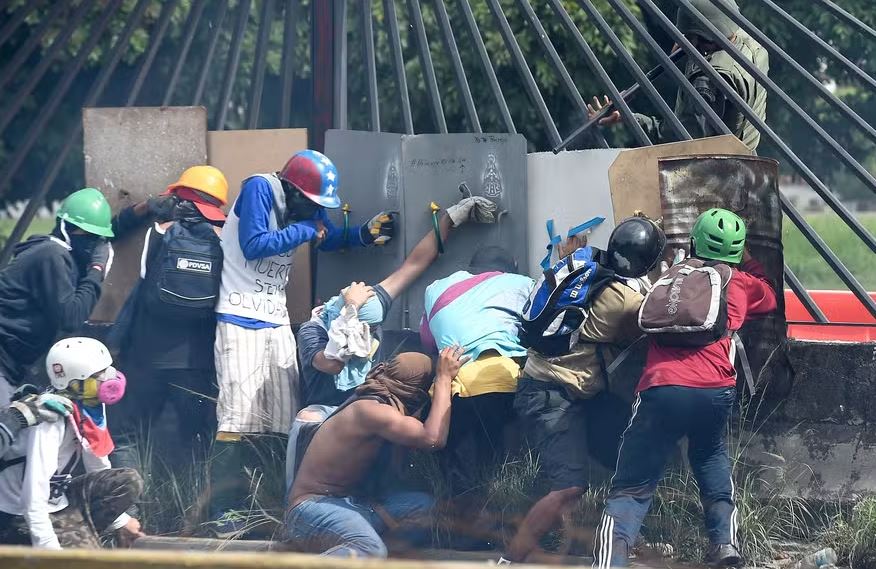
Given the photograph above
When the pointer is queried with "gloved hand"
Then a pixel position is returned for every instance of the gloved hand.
(379, 229)
(161, 207)
(477, 208)
(102, 257)
(35, 408)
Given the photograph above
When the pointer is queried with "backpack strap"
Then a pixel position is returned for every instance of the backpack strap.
(743, 359)
(621, 357)
(554, 239)
(4, 464)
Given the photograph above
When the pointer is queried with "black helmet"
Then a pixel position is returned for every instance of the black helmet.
(635, 247)
(688, 24)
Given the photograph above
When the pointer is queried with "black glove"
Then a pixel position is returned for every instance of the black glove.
(161, 207)
(102, 257)
(379, 229)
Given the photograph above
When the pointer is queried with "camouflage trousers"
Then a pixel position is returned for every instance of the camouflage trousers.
(96, 499)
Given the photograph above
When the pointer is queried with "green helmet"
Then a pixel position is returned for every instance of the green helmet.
(719, 235)
(88, 210)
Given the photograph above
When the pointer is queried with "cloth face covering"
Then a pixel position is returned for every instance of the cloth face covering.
(371, 313)
(402, 382)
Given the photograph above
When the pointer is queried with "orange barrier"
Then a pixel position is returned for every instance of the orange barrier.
(840, 307)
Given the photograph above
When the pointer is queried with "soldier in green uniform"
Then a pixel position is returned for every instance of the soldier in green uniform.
(688, 112)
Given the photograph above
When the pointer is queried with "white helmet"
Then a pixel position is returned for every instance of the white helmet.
(76, 358)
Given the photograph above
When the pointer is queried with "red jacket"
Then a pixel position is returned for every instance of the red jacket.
(749, 294)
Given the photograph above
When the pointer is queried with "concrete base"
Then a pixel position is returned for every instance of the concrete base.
(819, 441)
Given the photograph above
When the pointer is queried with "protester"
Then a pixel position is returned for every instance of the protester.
(687, 111)
(325, 514)
(688, 389)
(344, 339)
(256, 367)
(167, 327)
(52, 284)
(40, 501)
(556, 393)
(478, 310)
(30, 408)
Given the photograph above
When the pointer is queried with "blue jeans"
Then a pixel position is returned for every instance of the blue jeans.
(661, 417)
(351, 527)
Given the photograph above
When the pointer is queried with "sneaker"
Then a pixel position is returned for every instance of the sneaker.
(231, 524)
(724, 555)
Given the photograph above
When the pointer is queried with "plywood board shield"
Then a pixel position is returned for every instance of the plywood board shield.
(370, 172)
(130, 155)
(241, 153)
(633, 176)
(570, 188)
(492, 166)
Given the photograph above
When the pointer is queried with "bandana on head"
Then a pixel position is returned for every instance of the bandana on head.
(371, 313)
(402, 382)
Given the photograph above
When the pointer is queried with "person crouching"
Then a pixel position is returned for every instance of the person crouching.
(41, 502)
(324, 513)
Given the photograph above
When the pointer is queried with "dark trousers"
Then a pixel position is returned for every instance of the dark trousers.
(236, 465)
(96, 499)
(475, 442)
(661, 417)
(191, 393)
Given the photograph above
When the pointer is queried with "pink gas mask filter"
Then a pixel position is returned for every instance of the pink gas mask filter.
(111, 386)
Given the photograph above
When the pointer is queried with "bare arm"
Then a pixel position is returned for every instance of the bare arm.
(423, 255)
(327, 365)
(409, 431)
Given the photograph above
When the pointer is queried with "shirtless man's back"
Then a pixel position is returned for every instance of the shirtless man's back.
(324, 515)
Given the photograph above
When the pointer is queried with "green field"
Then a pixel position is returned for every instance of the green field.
(799, 254)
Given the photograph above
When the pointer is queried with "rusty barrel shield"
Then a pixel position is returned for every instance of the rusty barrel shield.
(748, 186)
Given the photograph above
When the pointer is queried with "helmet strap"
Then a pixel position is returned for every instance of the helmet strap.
(64, 234)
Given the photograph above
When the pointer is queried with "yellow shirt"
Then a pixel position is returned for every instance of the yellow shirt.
(490, 373)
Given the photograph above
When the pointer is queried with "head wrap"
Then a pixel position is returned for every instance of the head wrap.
(402, 382)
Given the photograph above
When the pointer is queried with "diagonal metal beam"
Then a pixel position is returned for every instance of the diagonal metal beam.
(633, 67)
(370, 64)
(831, 99)
(257, 83)
(195, 14)
(167, 11)
(805, 299)
(525, 73)
(289, 41)
(487, 65)
(233, 62)
(74, 136)
(18, 100)
(425, 55)
(559, 67)
(17, 18)
(593, 62)
(398, 63)
(849, 18)
(216, 25)
(33, 40)
(826, 47)
(471, 113)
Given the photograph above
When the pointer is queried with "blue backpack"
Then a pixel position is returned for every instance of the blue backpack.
(560, 300)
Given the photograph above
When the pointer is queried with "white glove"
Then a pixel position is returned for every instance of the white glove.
(476, 208)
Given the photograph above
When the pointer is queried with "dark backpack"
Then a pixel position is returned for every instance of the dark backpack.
(560, 301)
(687, 306)
(183, 275)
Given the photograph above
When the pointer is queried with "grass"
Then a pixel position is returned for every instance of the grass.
(799, 253)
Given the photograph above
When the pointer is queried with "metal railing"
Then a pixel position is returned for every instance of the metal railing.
(447, 41)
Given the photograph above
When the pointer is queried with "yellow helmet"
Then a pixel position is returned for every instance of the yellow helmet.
(206, 179)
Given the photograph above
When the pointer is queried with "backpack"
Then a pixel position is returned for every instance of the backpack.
(558, 304)
(182, 279)
(687, 306)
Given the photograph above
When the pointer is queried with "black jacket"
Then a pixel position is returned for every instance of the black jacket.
(41, 297)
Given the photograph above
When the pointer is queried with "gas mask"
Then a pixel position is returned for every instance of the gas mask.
(107, 387)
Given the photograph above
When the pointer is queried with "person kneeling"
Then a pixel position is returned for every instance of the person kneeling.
(39, 496)
(324, 516)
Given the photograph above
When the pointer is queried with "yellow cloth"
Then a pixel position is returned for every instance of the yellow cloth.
(490, 373)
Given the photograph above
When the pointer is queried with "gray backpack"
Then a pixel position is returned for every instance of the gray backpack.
(687, 306)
